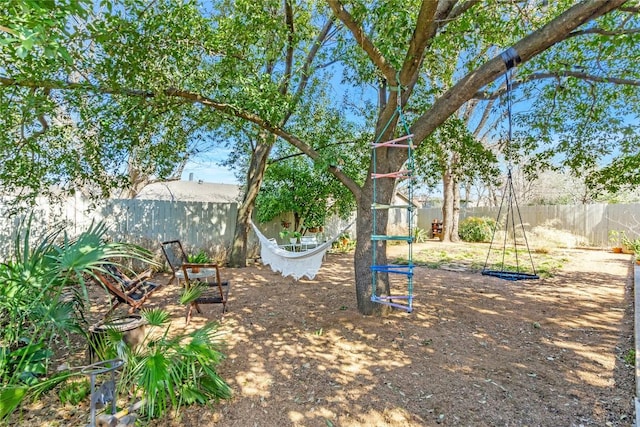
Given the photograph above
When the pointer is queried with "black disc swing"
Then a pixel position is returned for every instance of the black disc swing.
(510, 58)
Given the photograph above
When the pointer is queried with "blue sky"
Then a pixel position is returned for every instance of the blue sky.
(206, 168)
(209, 172)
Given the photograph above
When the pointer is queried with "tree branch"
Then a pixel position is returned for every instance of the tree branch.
(361, 39)
(603, 32)
(484, 95)
(527, 48)
(461, 8)
(630, 9)
(322, 36)
(424, 31)
(41, 119)
(291, 156)
(288, 64)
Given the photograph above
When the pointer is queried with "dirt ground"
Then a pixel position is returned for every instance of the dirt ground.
(476, 351)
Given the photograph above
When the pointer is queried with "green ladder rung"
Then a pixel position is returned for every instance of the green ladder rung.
(381, 206)
(384, 237)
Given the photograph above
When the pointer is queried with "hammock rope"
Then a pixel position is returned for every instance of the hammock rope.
(294, 264)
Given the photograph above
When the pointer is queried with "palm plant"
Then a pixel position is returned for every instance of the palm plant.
(43, 296)
(170, 372)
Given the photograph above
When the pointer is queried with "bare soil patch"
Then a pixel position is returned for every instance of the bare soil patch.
(476, 350)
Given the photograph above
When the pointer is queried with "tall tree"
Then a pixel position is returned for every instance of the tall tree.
(282, 55)
(70, 119)
(454, 156)
(433, 22)
(202, 58)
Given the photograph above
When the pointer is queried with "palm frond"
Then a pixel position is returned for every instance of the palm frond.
(155, 316)
(192, 293)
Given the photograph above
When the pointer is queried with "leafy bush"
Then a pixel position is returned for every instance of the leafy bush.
(343, 243)
(474, 229)
(170, 372)
(420, 235)
(199, 258)
(43, 298)
(631, 245)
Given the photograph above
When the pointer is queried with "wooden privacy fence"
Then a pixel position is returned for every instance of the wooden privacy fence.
(210, 226)
(592, 222)
(145, 222)
(201, 225)
(198, 225)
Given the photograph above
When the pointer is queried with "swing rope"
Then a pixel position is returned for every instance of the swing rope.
(510, 59)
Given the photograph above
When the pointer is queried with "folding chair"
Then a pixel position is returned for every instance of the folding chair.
(308, 242)
(192, 274)
(176, 256)
(133, 292)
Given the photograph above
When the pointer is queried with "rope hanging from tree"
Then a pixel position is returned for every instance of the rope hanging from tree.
(510, 58)
(405, 301)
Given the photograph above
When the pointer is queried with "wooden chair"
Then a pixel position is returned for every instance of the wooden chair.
(133, 292)
(175, 256)
(191, 274)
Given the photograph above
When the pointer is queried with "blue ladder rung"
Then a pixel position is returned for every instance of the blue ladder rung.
(385, 237)
(394, 268)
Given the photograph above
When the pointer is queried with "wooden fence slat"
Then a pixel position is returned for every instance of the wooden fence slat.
(592, 222)
(211, 225)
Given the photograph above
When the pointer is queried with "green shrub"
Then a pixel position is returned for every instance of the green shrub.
(474, 229)
(74, 392)
(43, 298)
(420, 235)
(170, 372)
(343, 243)
(200, 258)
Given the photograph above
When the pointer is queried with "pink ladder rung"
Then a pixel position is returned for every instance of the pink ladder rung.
(392, 143)
(399, 174)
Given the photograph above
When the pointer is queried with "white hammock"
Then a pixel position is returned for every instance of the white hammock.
(294, 264)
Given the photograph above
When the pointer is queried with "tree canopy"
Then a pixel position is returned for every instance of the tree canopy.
(163, 71)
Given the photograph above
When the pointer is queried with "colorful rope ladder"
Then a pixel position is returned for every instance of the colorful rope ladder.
(401, 301)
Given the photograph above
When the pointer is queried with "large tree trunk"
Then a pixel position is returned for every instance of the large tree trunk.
(451, 202)
(255, 175)
(363, 257)
(138, 181)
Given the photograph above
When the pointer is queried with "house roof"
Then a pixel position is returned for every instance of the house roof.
(405, 199)
(191, 191)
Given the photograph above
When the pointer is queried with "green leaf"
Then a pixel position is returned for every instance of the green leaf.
(192, 293)
(10, 398)
(156, 316)
(22, 52)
